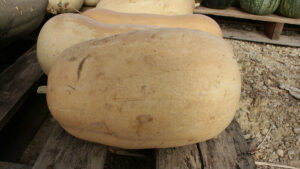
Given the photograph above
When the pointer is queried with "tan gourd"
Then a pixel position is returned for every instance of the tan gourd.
(197, 22)
(65, 30)
(155, 88)
(163, 7)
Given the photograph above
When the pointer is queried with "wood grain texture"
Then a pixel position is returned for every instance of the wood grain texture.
(16, 82)
(7, 165)
(186, 157)
(255, 36)
(238, 13)
(63, 151)
(228, 150)
(273, 30)
(18, 133)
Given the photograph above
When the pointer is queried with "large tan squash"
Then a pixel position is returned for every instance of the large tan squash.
(147, 89)
(65, 30)
(197, 22)
(163, 7)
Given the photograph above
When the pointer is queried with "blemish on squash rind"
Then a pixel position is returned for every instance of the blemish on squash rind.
(71, 87)
(72, 59)
(80, 66)
(141, 120)
(192, 139)
(100, 74)
(107, 106)
(105, 127)
(144, 119)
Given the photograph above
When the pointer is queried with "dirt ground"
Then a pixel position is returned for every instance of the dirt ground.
(269, 114)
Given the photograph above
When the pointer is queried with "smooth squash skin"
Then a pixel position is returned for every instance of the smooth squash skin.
(65, 30)
(162, 7)
(197, 22)
(155, 88)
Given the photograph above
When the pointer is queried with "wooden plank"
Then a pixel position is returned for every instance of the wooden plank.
(63, 151)
(10, 53)
(18, 133)
(186, 157)
(129, 159)
(238, 13)
(228, 150)
(273, 30)
(8, 165)
(15, 83)
(255, 36)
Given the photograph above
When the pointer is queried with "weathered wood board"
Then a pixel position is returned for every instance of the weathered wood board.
(63, 151)
(255, 36)
(273, 27)
(238, 13)
(7, 165)
(228, 150)
(16, 82)
(22, 127)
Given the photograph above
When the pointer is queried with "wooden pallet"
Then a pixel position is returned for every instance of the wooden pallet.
(63, 151)
(8, 165)
(16, 82)
(229, 150)
(273, 27)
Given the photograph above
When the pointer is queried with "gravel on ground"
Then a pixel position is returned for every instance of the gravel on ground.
(269, 112)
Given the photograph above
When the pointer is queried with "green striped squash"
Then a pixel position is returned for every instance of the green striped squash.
(290, 8)
(260, 7)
